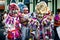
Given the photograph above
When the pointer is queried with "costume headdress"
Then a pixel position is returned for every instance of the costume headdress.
(41, 7)
(21, 6)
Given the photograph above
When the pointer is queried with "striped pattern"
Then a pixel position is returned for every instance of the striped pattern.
(43, 28)
(12, 21)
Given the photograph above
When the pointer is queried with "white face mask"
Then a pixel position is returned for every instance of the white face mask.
(15, 11)
(39, 19)
(40, 16)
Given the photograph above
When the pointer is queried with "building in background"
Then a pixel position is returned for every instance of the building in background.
(2, 5)
(53, 4)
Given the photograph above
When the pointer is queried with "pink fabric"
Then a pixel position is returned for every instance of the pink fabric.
(11, 34)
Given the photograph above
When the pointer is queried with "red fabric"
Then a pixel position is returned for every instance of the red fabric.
(11, 34)
(13, 7)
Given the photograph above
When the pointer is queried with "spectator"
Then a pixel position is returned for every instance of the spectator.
(56, 24)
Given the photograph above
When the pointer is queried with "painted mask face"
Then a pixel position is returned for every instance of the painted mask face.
(13, 13)
(13, 9)
(25, 10)
(40, 16)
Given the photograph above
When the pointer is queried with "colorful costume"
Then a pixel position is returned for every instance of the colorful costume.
(12, 22)
(42, 23)
(24, 22)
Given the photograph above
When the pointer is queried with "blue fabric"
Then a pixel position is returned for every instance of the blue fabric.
(25, 32)
(21, 6)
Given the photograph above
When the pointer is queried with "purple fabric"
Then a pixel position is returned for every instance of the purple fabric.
(7, 20)
(43, 27)
(11, 21)
(56, 18)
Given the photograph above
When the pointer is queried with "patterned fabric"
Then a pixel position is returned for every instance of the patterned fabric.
(13, 27)
(43, 28)
(11, 20)
(13, 34)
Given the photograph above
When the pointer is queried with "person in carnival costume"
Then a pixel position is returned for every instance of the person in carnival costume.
(42, 23)
(21, 6)
(24, 10)
(24, 21)
(12, 22)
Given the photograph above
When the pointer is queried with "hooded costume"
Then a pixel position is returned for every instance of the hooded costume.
(42, 23)
(12, 22)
